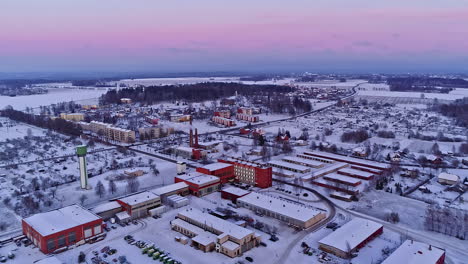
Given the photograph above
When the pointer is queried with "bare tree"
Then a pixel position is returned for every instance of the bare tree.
(100, 189)
(132, 185)
(112, 187)
(83, 198)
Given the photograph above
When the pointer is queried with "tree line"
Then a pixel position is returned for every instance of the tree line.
(190, 92)
(457, 110)
(57, 124)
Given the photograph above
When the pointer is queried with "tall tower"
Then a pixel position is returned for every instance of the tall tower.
(81, 153)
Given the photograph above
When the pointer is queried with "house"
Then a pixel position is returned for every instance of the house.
(134, 173)
(447, 178)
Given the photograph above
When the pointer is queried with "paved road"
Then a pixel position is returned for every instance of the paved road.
(331, 214)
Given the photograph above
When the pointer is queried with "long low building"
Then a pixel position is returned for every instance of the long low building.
(350, 160)
(289, 166)
(58, 229)
(139, 205)
(356, 174)
(330, 168)
(180, 188)
(352, 236)
(304, 162)
(413, 252)
(292, 213)
(107, 210)
(230, 239)
(346, 180)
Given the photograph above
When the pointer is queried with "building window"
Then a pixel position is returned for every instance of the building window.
(50, 244)
(61, 241)
(72, 237)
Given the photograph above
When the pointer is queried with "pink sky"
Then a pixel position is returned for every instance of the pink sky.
(210, 35)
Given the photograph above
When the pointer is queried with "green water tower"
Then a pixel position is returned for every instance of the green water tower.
(81, 152)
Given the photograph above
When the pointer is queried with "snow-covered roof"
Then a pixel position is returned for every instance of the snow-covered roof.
(309, 162)
(342, 178)
(61, 219)
(230, 245)
(205, 238)
(198, 178)
(325, 170)
(169, 188)
(222, 226)
(280, 206)
(448, 176)
(185, 149)
(211, 143)
(216, 166)
(412, 252)
(340, 194)
(349, 159)
(351, 234)
(235, 191)
(357, 172)
(288, 165)
(106, 207)
(122, 215)
(139, 198)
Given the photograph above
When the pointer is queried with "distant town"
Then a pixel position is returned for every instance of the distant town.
(305, 168)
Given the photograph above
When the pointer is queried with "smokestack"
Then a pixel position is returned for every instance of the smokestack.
(191, 138)
(196, 137)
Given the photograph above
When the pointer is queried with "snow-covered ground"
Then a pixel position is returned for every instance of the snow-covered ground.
(440, 96)
(55, 95)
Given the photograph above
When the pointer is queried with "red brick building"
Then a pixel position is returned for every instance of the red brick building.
(58, 229)
(224, 171)
(252, 173)
(199, 184)
(233, 193)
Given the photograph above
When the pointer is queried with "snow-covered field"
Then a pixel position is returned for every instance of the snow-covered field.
(55, 95)
(440, 96)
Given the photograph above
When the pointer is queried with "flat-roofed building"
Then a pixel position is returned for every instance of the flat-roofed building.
(289, 166)
(287, 211)
(304, 162)
(58, 229)
(352, 236)
(233, 193)
(252, 173)
(231, 239)
(413, 252)
(359, 174)
(199, 184)
(107, 210)
(346, 180)
(224, 171)
(180, 188)
(350, 160)
(138, 205)
(76, 117)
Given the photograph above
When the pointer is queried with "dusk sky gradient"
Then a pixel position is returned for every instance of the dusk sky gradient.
(241, 35)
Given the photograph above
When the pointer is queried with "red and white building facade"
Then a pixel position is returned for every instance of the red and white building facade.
(224, 171)
(251, 173)
(56, 230)
(223, 121)
(248, 118)
(199, 184)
